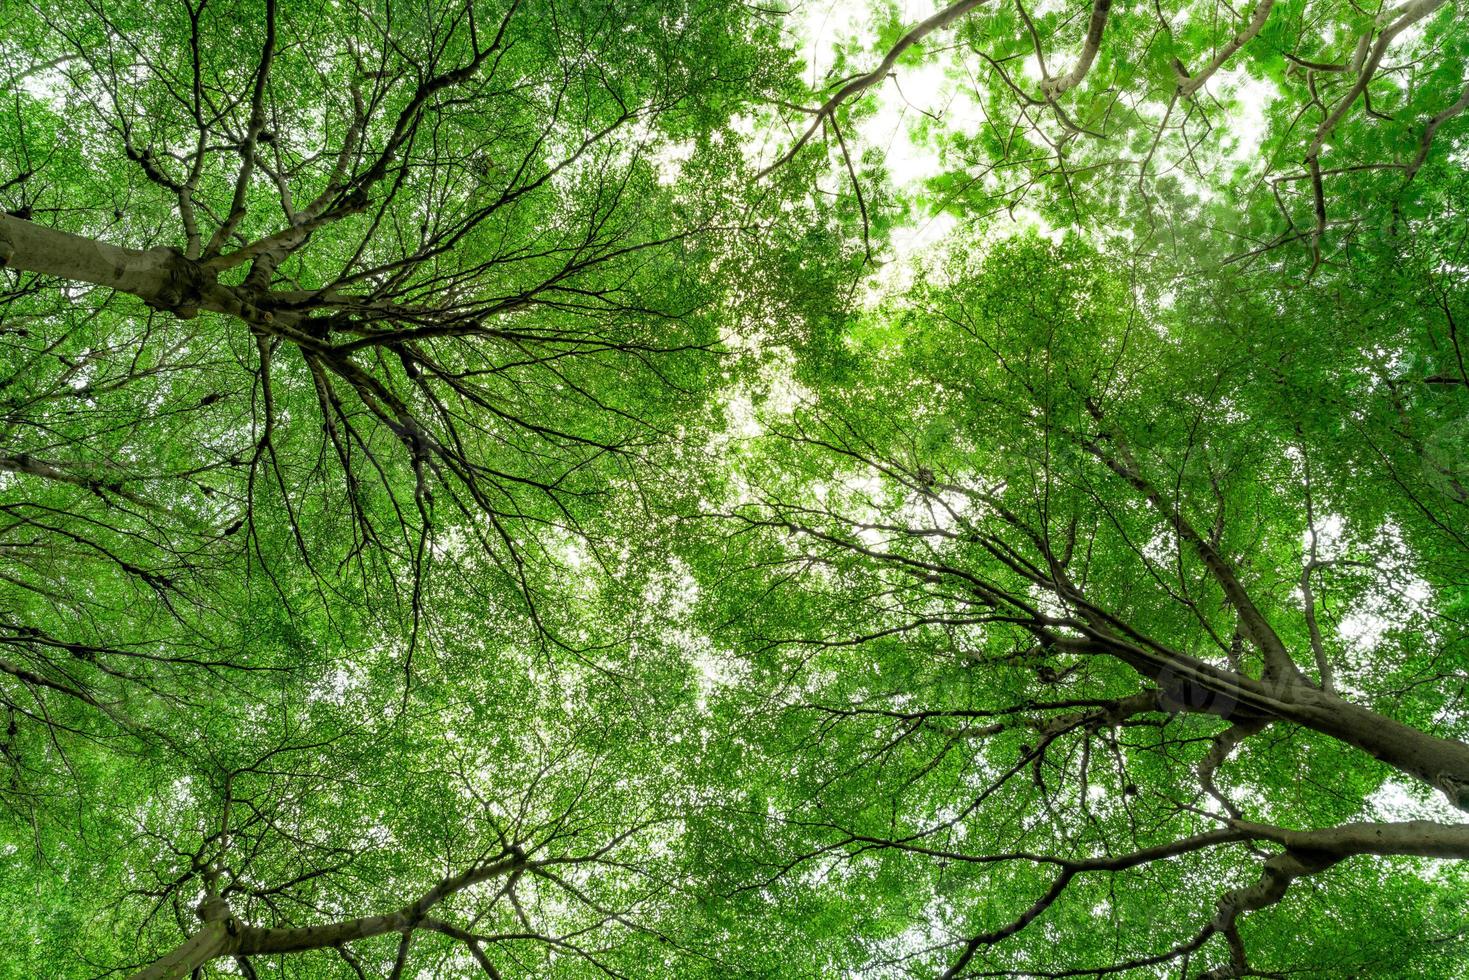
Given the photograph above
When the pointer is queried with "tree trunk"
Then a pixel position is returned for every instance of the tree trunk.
(224, 935)
(1441, 762)
(228, 938)
(1197, 686)
(36, 248)
(212, 941)
(161, 277)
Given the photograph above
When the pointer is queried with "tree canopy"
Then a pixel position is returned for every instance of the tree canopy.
(687, 488)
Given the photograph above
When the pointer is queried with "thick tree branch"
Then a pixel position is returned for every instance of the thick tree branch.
(856, 86)
(223, 936)
(1054, 88)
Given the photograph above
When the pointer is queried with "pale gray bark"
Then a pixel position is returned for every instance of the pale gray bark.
(223, 935)
(30, 247)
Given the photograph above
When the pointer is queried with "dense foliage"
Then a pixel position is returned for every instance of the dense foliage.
(492, 489)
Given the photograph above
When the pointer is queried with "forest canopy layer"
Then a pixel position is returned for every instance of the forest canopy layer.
(704, 489)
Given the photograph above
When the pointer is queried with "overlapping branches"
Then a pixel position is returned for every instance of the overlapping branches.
(1140, 123)
(521, 888)
(459, 293)
(1044, 640)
